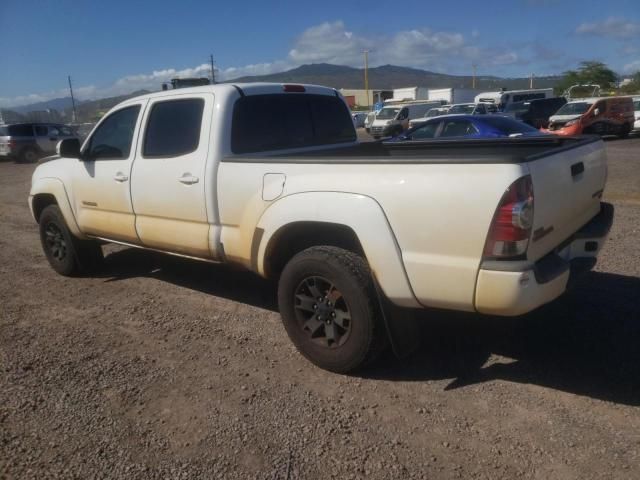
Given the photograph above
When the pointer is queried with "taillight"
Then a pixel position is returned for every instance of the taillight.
(12, 144)
(512, 222)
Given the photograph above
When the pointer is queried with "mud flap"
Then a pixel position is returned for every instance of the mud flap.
(402, 328)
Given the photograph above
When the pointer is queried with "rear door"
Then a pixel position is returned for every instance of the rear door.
(567, 189)
(168, 178)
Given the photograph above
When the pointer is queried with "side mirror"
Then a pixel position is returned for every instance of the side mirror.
(596, 112)
(69, 148)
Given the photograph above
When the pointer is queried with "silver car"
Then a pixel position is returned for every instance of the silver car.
(27, 142)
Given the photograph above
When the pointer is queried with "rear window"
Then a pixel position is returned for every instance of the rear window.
(20, 130)
(278, 122)
(173, 128)
(508, 125)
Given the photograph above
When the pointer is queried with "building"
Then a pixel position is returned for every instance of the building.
(358, 98)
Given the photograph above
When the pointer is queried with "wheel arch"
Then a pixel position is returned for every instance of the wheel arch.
(51, 191)
(346, 220)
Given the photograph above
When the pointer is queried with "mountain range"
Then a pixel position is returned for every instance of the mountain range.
(336, 76)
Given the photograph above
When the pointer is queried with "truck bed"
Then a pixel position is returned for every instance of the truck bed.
(455, 151)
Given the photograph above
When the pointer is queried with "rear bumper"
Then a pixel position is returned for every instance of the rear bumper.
(514, 288)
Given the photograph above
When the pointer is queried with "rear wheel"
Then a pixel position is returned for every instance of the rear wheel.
(330, 309)
(28, 155)
(66, 254)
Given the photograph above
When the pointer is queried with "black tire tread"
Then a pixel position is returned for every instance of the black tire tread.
(359, 269)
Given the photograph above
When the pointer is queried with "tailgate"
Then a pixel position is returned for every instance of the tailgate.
(567, 186)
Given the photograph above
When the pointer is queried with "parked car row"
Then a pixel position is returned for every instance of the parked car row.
(554, 115)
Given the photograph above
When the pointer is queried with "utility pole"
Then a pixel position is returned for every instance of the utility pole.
(473, 81)
(366, 77)
(73, 101)
(531, 81)
(213, 71)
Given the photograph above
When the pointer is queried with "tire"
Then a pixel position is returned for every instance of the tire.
(66, 254)
(624, 131)
(330, 309)
(28, 155)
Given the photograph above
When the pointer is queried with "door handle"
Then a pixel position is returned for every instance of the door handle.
(577, 169)
(120, 177)
(188, 179)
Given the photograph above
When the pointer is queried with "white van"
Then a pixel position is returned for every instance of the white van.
(505, 97)
(394, 119)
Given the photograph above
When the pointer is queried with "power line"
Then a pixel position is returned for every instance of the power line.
(213, 70)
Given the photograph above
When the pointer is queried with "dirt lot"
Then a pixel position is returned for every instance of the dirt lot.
(164, 368)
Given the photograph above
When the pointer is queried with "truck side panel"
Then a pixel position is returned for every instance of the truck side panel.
(439, 213)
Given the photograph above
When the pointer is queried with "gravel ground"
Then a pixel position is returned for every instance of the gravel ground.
(165, 368)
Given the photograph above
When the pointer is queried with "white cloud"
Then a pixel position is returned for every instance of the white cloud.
(632, 67)
(329, 42)
(611, 27)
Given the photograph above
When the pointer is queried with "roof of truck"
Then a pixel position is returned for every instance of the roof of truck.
(257, 88)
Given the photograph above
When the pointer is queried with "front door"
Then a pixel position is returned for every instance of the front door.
(101, 181)
(168, 186)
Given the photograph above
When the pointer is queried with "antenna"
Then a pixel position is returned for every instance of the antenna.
(73, 101)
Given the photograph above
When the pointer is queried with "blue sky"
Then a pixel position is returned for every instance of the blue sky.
(114, 47)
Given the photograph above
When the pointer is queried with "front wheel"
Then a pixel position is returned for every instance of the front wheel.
(66, 254)
(330, 309)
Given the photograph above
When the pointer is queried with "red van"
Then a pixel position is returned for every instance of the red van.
(600, 116)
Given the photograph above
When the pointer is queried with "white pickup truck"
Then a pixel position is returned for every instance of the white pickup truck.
(271, 177)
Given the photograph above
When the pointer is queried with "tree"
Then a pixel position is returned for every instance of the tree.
(589, 73)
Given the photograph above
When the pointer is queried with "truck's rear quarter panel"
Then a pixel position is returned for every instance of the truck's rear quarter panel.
(439, 213)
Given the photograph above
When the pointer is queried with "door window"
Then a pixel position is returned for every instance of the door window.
(458, 128)
(41, 130)
(112, 139)
(173, 128)
(425, 131)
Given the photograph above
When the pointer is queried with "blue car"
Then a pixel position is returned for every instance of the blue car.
(467, 126)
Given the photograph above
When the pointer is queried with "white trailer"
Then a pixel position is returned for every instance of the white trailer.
(409, 94)
(453, 95)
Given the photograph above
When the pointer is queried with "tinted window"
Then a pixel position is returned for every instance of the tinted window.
(424, 131)
(278, 122)
(41, 130)
(458, 128)
(112, 139)
(21, 130)
(3, 132)
(173, 128)
(574, 108)
(60, 131)
(508, 125)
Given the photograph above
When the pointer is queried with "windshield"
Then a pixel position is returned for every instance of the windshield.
(434, 112)
(574, 108)
(387, 113)
(517, 107)
(466, 109)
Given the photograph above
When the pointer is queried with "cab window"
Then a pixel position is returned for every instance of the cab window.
(41, 130)
(458, 128)
(425, 132)
(173, 128)
(112, 139)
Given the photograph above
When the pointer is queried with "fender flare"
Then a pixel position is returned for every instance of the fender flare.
(54, 186)
(358, 212)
